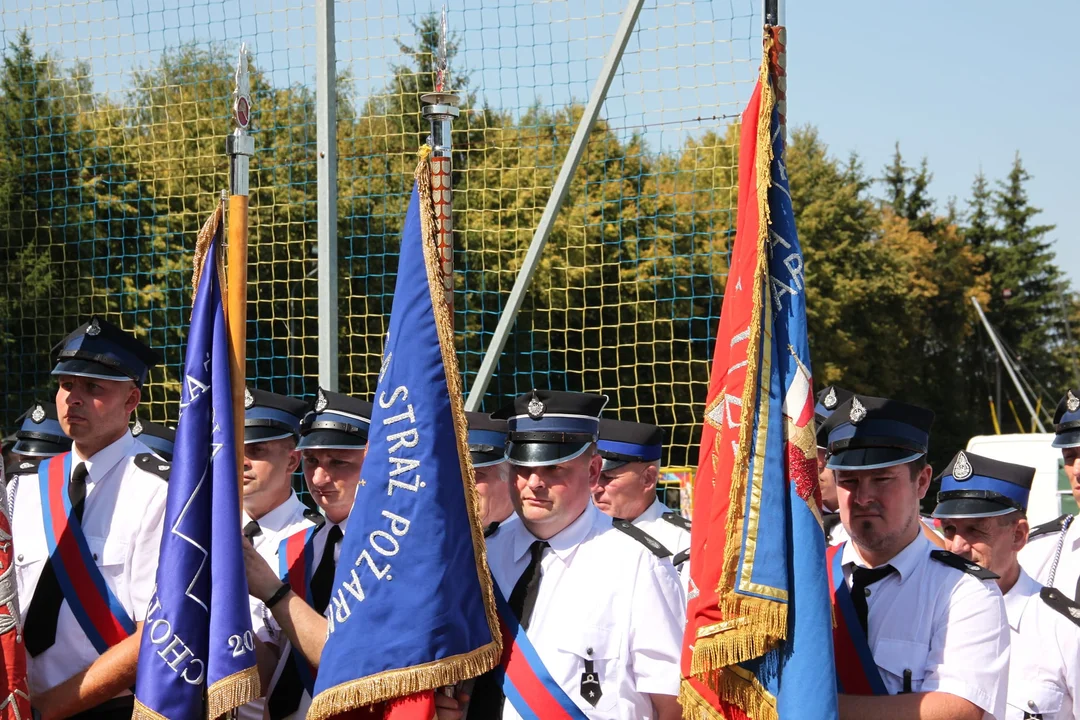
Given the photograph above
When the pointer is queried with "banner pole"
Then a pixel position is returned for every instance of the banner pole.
(240, 146)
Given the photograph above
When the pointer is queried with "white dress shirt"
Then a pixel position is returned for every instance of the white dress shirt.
(276, 525)
(1044, 679)
(122, 520)
(1038, 556)
(671, 536)
(947, 627)
(318, 545)
(603, 597)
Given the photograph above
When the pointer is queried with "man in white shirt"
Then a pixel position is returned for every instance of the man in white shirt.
(333, 437)
(603, 613)
(39, 436)
(487, 448)
(272, 512)
(921, 633)
(626, 488)
(1052, 555)
(982, 505)
(109, 493)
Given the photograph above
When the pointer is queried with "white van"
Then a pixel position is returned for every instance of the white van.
(1050, 493)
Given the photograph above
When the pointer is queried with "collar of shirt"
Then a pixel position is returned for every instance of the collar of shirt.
(563, 543)
(100, 463)
(653, 512)
(1018, 597)
(277, 519)
(904, 562)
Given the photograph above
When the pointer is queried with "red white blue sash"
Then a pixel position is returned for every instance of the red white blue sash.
(99, 613)
(526, 683)
(856, 671)
(296, 560)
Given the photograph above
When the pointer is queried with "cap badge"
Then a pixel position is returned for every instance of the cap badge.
(1072, 403)
(535, 408)
(858, 412)
(38, 414)
(248, 399)
(138, 428)
(830, 400)
(320, 401)
(93, 328)
(961, 469)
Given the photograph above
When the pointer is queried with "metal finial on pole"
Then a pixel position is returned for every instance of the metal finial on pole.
(440, 108)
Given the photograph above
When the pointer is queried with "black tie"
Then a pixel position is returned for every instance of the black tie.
(285, 696)
(487, 697)
(322, 580)
(44, 610)
(251, 530)
(861, 579)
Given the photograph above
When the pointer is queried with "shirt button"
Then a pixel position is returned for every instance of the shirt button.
(19, 558)
(866, 591)
(95, 557)
(1031, 704)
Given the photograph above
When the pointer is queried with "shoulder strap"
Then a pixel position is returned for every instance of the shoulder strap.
(154, 465)
(677, 520)
(680, 557)
(1055, 525)
(314, 516)
(490, 529)
(642, 537)
(953, 560)
(1057, 600)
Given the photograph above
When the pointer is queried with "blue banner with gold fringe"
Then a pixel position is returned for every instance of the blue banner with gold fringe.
(412, 607)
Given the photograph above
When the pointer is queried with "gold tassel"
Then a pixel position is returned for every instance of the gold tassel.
(739, 687)
(141, 712)
(695, 707)
(759, 624)
(231, 692)
(202, 246)
(403, 682)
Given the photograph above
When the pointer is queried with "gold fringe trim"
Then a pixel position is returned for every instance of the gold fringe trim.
(444, 324)
(759, 631)
(141, 712)
(401, 683)
(694, 706)
(447, 671)
(233, 691)
(202, 246)
(768, 619)
(738, 686)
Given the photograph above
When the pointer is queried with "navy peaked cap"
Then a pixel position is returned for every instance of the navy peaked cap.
(335, 422)
(977, 486)
(547, 427)
(866, 433)
(99, 349)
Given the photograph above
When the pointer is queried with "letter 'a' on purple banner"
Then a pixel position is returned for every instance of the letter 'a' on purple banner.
(197, 655)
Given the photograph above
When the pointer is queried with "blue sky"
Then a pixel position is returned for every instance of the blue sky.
(966, 84)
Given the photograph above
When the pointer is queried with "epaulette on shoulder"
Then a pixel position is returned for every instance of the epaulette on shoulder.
(642, 537)
(315, 516)
(680, 557)
(154, 465)
(1058, 600)
(953, 560)
(677, 520)
(1048, 528)
(490, 529)
(26, 467)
